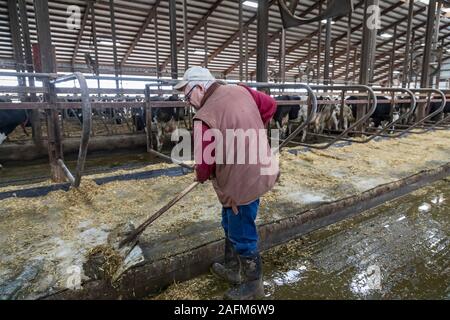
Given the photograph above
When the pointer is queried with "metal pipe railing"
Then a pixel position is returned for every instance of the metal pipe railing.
(86, 128)
(391, 124)
(359, 122)
(431, 115)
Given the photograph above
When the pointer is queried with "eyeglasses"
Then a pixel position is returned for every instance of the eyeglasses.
(187, 96)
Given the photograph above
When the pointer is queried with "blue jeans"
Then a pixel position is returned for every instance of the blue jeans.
(241, 228)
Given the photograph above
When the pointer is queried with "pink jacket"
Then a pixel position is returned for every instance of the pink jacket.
(267, 107)
(234, 107)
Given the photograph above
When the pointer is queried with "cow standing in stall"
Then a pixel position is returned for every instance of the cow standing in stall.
(382, 115)
(164, 120)
(434, 106)
(11, 119)
(286, 113)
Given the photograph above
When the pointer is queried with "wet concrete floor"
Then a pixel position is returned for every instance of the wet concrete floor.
(399, 250)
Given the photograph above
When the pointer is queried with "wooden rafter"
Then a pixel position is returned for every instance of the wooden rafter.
(141, 31)
(234, 36)
(194, 30)
(390, 40)
(271, 39)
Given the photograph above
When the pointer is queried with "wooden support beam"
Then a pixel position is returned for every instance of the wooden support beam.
(241, 43)
(199, 25)
(94, 40)
(405, 75)
(151, 15)
(392, 61)
(369, 47)
(112, 12)
(48, 63)
(425, 76)
(417, 12)
(382, 65)
(382, 68)
(16, 39)
(271, 39)
(185, 35)
(35, 117)
(262, 45)
(319, 45)
(234, 36)
(326, 69)
(80, 33)
(156, 28)
(173, 38)
(205, 43)
(302, 42)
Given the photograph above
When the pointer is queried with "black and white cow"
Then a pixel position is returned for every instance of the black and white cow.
(164, 120)
(434, 106)
(286, 113)
(10, 120)
(382, 114)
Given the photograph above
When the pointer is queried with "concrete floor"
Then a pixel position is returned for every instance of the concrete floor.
(399, 250)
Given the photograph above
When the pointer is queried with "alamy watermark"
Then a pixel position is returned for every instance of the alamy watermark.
(235, 146)
(73, 20)
(373, 21)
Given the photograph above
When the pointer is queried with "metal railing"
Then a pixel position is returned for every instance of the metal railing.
(86, 128)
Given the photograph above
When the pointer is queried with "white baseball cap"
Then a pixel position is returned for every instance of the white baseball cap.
(194, 74)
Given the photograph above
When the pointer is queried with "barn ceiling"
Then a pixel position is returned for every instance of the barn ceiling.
(136, 36)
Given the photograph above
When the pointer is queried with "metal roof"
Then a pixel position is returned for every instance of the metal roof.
(222, 35)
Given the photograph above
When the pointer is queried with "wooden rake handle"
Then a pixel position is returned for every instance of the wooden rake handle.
(155, 216)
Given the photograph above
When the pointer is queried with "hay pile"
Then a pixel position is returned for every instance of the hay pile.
(102, 262)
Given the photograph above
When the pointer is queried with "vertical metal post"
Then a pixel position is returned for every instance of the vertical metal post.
(241, 42)
(173, 38)
(156, 28)
(411, 59)
(158, 66)
(392, 61)
(35, 119)
(334, 63)
(308, 77)
(349, 31)
(355, 59)
(434, 46)
(439, 65)
(425, 76)
(48, 62)
(326, 69)
(319, 44)
(205, 42)
(16, 42)
(185, 35)
(94, 38)
(246, 54)
(406, 71)
(367, 56)
(369, 46)
(283, 56)
(114, 41)
(424, 82)
(262, 47)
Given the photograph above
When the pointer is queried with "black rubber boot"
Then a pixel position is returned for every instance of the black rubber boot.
(252, 286)
(230, 269)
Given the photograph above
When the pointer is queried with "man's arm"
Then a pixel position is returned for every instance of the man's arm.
(203, 170)
(267, 105)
